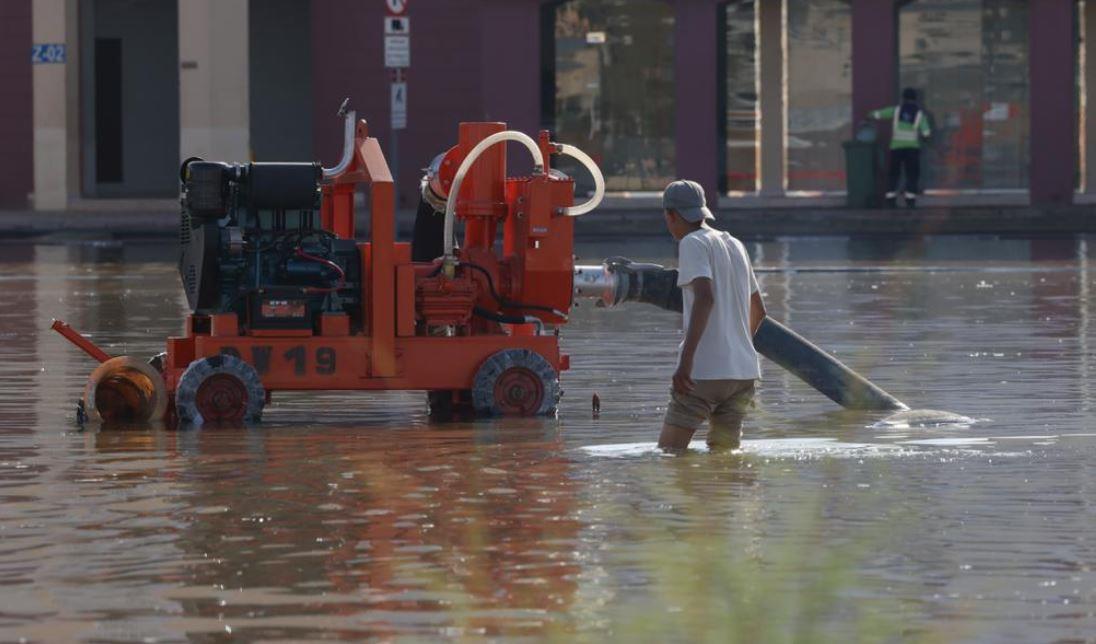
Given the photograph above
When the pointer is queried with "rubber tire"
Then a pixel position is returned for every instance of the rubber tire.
(483, 385)
(200, 370)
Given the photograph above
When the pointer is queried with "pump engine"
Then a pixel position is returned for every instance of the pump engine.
(251, 244)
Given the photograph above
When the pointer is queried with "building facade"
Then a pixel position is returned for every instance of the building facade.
(753, 98)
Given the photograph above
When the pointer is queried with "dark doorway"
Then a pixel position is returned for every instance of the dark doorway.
(280, 61)
(108, 110)
(130, 97)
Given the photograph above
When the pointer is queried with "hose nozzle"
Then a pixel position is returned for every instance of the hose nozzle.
(620, 280)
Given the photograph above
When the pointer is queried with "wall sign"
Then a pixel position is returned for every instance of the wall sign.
(398, 105)
(395, 25)
(397, 51)
(47, 53)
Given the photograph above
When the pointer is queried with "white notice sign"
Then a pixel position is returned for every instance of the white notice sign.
(394, 25)
(397, 51)
(398, 105)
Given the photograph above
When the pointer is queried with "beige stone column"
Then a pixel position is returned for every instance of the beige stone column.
(213, 80)
(56, 106)
(770, 33)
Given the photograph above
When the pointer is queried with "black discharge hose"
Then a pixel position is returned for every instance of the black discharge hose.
(820, 370)
(653, 284)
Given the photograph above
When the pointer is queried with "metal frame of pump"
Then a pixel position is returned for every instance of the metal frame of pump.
(432, 325)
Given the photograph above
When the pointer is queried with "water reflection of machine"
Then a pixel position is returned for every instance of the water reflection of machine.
(285, 297)
(398, 528)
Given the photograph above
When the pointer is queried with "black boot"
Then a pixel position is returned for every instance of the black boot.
(911, 200)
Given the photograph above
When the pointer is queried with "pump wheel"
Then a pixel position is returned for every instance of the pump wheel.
(515, 382)
(219, 389)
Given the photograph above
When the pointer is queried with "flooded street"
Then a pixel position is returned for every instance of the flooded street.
(346, 516)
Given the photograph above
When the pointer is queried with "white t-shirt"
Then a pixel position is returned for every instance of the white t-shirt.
(726, 349)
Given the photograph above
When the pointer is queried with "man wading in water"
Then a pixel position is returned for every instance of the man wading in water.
(722, 309)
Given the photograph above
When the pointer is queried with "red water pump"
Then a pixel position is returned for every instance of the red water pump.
(284, 296)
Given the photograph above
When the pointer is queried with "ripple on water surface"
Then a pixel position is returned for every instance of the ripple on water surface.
(350, 515)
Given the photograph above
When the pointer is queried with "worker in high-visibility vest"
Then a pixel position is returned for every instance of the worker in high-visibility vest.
(910, 126)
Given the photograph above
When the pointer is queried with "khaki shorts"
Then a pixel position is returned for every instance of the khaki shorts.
(721, 402)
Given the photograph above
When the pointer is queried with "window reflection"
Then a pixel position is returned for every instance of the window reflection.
(969, 60)
(742, 117)
(819, 93)
(1080, 56)
(614, 88)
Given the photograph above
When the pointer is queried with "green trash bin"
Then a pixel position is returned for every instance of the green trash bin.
(862, 168)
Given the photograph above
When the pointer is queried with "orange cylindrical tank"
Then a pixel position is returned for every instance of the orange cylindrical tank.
(124, 389)
(482, 199)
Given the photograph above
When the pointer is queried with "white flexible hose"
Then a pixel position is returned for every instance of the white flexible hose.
(599, 180)
(348, 147)
(458, 179)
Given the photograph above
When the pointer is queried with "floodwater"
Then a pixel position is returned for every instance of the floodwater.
(348, 516)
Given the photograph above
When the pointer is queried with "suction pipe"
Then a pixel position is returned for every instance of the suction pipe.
(591, 167)
(348, 144)
(458, 178)
(538, 166)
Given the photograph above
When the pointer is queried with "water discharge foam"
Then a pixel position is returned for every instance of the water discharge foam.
(799, 449)
(923, 419)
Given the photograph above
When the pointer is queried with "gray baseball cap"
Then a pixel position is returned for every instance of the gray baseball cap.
(686, 198)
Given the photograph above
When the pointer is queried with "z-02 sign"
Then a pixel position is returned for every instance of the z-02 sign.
(47, 53)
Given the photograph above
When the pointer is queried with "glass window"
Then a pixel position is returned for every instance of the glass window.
(968, 59)
(614, 90)
(741, 117)
(1080, 56)
(819, 93)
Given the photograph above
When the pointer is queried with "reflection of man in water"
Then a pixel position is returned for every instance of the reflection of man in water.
(722, 309)
(909, 126)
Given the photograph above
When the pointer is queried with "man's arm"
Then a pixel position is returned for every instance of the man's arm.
(924, 127)
(882, 113)
(757, 311)
(703, 302)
